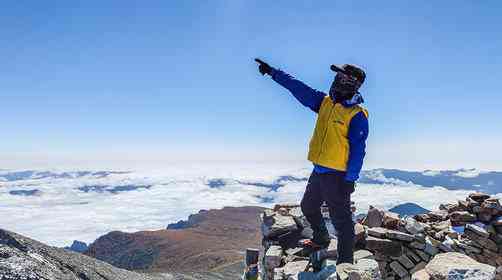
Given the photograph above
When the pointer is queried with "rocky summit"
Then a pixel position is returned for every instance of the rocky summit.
(461, 240)
(22, 258)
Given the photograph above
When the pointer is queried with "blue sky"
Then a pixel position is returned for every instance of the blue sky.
(156, 81)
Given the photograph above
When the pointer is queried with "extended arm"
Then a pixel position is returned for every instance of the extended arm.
(358, 133)
(307, 96)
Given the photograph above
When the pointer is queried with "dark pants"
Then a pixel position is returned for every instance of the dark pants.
(329, 187)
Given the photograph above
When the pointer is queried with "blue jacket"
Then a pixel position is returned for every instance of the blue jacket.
(358, 128)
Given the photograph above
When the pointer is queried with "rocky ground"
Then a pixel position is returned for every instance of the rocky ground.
(22, 258)
(462, 240)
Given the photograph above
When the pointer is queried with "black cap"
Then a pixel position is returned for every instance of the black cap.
(351, 70)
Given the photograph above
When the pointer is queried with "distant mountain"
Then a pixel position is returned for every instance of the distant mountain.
(468, 179)
(213, 241)
(408, 209)
(78, 246)
(11, 176)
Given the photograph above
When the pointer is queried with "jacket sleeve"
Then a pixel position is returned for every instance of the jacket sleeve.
(307, 96)
(358, 133)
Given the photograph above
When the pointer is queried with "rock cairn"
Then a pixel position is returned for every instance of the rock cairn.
(466, 234)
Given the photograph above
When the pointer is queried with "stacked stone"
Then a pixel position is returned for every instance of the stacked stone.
(480, 217)
(401, 248)
(283, 229)
(472, 227)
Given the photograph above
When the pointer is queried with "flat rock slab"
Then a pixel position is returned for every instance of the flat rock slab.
(458, 266)
(387, 247)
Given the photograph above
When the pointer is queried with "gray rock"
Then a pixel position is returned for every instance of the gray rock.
(430, 248)
(417, 245)
(447, 245)
(397, 235)
(364, 269)
(273, 258)
(458, 266)
(363, 254)
(374, 218)
(385, 246)
(398, 269)
(467, 248)
(422, 255)
(477, 230)
(483, 242)
(292, 269)
(378, 232)
(413, 226)
(27, 259)
(411, 255)
(274, 224)
(405, 261)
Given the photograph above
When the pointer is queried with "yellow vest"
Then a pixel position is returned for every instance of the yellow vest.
(329, 146)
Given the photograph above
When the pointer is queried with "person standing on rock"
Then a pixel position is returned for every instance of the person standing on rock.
(337, 150)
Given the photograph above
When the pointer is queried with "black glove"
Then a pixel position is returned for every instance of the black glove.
(264, 68)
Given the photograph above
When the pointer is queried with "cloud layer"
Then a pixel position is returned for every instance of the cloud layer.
(58, 209)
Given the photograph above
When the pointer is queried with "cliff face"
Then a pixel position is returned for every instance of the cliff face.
(27, 259)
(214, 240)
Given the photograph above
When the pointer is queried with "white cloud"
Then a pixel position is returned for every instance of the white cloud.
(62, 213)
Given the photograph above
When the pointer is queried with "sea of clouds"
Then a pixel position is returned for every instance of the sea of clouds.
(58, 206)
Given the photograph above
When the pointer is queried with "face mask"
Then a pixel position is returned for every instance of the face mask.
(343, 87)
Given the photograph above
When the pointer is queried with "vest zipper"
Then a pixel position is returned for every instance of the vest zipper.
(325, 131)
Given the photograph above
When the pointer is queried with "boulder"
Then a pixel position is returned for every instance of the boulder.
(374, 218)
(458, 266)
(499, 273)
(275, 224)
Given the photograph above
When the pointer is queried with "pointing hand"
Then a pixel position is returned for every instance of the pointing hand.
(264, 68)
